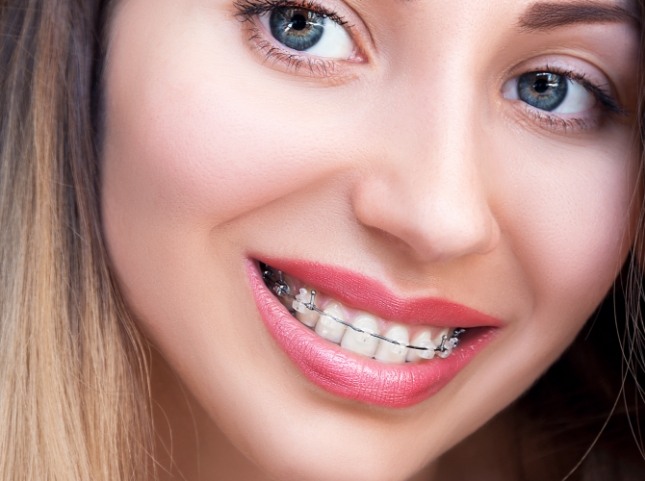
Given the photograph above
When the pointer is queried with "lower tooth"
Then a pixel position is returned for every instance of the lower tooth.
(328, 328)
(361, 342)
(390, 352)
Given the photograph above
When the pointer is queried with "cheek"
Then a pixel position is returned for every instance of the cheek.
(193, 151)
(191, 145)
(191, 138)
(572, 219)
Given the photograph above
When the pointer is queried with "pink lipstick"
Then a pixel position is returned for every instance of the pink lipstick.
(350, 376)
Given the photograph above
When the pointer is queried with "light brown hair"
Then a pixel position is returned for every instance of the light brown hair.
(72, 369)
(74, 401)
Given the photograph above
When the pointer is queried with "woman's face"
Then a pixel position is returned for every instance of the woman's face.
(424, 165)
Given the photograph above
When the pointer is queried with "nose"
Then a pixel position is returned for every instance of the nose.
(428, 191)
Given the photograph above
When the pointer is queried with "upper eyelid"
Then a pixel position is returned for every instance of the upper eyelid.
(250, 8)
(334, 70)
(608, 101)
(257, 7)
(292, 61)
(564, 64)
(603, 95)
(338, 11)
(576, 69)
(566, 124)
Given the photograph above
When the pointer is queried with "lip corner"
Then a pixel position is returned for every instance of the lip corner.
(337, 372)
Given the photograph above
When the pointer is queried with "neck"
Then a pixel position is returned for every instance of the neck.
(189, 445)
(492, 453)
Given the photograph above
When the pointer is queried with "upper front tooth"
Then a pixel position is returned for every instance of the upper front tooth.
(327, 327)
(362, 342)
(390, 352)
(422, 339)
(307, 316)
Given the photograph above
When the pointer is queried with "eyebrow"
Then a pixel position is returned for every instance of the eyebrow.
(551, 15)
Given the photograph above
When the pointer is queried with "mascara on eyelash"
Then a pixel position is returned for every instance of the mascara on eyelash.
(249, 8)
(605, 99)
(564, 125)
(317, 66)
(252, 8)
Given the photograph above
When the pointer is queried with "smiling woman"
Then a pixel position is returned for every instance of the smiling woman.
(321, 240)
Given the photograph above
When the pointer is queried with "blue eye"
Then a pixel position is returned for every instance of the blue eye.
(551, 92)
(307, 31)
(542, 90)
(296, 28)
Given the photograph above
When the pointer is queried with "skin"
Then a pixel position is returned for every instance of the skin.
(406, 163)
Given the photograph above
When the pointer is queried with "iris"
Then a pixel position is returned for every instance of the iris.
(542, 90)
(297, 28)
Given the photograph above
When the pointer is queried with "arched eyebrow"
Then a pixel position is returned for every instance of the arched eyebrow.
(550, 15)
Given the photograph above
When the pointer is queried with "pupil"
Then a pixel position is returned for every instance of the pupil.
(541, 85)
(298, 22)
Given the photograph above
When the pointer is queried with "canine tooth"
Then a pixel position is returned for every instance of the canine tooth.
(448, 347)
(422, 339)
(362, 342)
(393, 353)
(307, 316)
(329, 328)
(439, 334)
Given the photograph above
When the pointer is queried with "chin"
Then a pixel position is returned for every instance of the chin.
(347, 467)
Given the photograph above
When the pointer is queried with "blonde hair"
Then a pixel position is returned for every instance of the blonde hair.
(73, 395)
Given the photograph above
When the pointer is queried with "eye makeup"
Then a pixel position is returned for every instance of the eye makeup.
(302, 36)
(310, 39)
(580, 104)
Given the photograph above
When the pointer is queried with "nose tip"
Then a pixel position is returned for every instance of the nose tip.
(436, 221)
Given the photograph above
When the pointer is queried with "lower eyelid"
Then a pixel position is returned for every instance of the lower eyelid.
(588, 118)
(560, 124)
(336, 67)
(291, 61)
(533, 118)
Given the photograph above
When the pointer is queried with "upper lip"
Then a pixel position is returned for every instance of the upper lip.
(366, 294)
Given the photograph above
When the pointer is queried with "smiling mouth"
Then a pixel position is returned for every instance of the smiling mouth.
(356, 331)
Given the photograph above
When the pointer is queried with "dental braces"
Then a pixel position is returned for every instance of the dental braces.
(274, 279)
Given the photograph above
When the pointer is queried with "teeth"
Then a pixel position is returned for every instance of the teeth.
(448, 346)
(439, 335)
(422, 339)
(307, 316)
(437, 341)
(393, 353)
(329, 328)
(361, 342)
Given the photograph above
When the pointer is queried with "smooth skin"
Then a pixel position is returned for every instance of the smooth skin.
(408, 162)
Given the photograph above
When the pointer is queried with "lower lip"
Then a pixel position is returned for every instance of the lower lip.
(350, 376)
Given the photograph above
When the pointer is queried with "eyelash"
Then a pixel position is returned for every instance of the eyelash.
(249, 10)
(606, 103)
